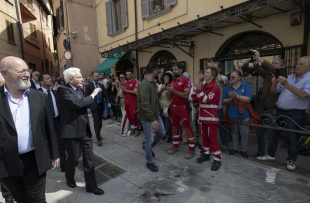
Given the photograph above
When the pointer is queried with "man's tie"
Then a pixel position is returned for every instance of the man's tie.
(51, 102)
(99, 94)
(78, 93)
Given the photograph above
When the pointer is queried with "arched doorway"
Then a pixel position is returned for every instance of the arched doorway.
(165, 60)
(126, 63)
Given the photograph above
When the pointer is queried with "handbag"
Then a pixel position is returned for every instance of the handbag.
(260, 106)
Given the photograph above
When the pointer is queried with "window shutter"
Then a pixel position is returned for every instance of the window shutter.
(145, 5)
(109, 17)
(170, 3)
(12, 32)
(124, 13)
(8, 29)
(30, 3)
(62, 18)
(49, 43)
(57, 20)
(33, 31)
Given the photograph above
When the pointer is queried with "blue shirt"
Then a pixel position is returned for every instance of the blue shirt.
(243, 90)
(287, 100)
(21, 116)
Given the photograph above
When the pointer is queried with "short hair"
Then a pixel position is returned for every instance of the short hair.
(214, 72)
(219, 64)
(70, 73)
(129, 71)
(34, 72)
(307, 58)
(121, 74)
(92, 74)
(186, 74)
(103, 73)
(41, 78)
(151, 67)
(281, 61)
(238, 72)
(179, 66)
(166, 74)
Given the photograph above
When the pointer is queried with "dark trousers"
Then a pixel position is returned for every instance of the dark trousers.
(112, 100)
(6, 194)
(97, 117)
(62, 154)
(31, 186)
(272, 135)
(293, 139)
(74, 147)
(223, 132)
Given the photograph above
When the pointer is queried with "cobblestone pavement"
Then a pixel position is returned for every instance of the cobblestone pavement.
(178, 180)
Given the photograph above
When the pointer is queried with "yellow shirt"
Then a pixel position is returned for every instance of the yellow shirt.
(163, 101)
(120, 92)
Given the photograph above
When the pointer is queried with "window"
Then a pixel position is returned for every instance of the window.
(44, 39)
(151, 7)
(117, 17)
(49, 43)
(32, 67)
(30, 3)
(10, 31)
(33, 31)
(46, 20)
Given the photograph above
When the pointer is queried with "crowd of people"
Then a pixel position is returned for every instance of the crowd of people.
(45, 118)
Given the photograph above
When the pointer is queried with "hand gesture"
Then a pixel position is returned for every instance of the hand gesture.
(163, 88)
(155, 125)
(197, 86)
(282, 80)
(274, 81)
(136, 91)
(56, 162)
(233, 94)
(96, 91)
(200, 75)
(210, 65)
(88, 111)
(170, 88)
(109, 105)
(257, 54)
(116, 100)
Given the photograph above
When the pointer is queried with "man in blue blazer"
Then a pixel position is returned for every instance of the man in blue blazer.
(46, 83)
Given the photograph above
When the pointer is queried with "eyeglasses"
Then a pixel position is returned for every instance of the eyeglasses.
(232, 77)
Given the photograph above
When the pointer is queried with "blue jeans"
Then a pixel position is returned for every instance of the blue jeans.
(167, 122)
(293, 139)
(272, 135)
(151, 140)
(106, 109)
(223, 132)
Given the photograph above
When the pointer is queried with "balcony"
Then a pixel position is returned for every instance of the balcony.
(27, 9)
(28, 38)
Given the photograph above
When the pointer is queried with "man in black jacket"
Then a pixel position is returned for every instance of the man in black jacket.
(46, 83)
(27, 140)
(97, 107)
(35, 84)
(75, 128)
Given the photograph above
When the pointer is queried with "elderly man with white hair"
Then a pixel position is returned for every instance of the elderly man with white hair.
(75, 128)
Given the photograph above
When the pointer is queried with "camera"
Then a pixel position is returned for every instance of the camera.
(251, 53)
(252, 59)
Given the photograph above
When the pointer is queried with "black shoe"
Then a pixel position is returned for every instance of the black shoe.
(163, 138)
(216, 165)
(104, 118)
(76, 163)
(95, 191)
(152, 167)
(232, 152)
(167, 133)
(9, 200)
(244, 154)
(63, 169)
(153, 154)
(99, 143)
(71, 184)
(169, 140)
(203, 158)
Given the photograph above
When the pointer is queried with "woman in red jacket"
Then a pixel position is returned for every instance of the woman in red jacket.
(208, 96)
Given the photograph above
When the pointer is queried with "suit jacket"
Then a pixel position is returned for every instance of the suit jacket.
(54, 93)
(73, 114)
(90, 87)
(44, 136)
(33, 86)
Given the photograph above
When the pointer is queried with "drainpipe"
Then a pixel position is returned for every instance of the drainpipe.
(136, 38)
(19, 31)
(40, 11)
(97, 32)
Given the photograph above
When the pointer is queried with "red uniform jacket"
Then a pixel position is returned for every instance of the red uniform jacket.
(208, 98)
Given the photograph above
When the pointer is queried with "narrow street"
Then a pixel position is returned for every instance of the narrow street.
(179, 180)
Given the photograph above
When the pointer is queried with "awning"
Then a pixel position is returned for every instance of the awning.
(107, 64)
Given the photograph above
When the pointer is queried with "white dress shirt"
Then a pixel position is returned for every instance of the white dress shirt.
(54, 101)
(38, 85)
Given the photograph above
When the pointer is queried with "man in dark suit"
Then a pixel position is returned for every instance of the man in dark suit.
(97, 108)
(35, 84)
(75, 128)
(46, 83)
(27, 140)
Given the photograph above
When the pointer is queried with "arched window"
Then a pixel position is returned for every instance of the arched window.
(163, 57)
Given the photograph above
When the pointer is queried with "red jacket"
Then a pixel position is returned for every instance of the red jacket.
(208, 98)
(253, 114)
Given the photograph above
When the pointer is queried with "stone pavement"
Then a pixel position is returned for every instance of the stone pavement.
(179, 180)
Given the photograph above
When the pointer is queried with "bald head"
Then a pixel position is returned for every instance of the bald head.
(12, 62)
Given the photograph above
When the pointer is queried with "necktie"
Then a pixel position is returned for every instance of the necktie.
(51, 102)
(78, 93)
(99, 94)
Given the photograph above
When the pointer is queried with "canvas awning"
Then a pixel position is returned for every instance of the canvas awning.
(107, 64)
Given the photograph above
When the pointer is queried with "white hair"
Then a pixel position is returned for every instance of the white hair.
(70, 73)
(307, 58)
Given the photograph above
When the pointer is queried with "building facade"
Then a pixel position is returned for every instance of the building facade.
(10, 41)
(76, 32)
(200, 31)
(37, 34)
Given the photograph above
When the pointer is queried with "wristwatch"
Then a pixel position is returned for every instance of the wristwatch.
(238, 97)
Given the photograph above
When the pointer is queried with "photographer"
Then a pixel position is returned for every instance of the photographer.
(292, 102)
(112, 94)
(268, 101)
